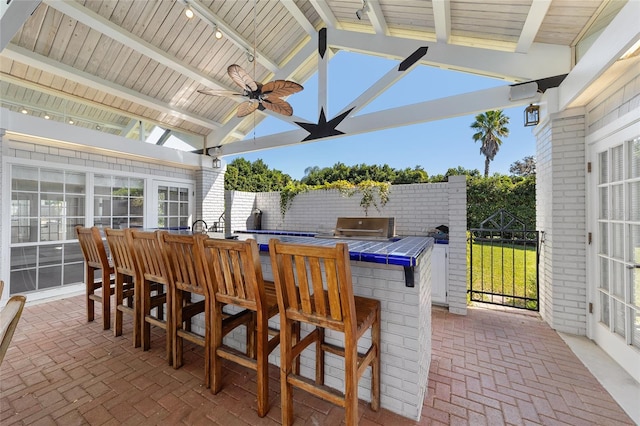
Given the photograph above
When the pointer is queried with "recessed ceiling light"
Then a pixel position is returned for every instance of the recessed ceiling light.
(24, 111)
(188, 12)
(70, 121)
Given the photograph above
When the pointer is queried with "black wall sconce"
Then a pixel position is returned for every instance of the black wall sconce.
(215, 153)
(531, 115)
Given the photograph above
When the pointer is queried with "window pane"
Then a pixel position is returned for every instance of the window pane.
(634, 158)
(604, 167)
(73, 274)
(184, 194)
(617, 240)
(635, 335)
(616, 164)
(50, 255)
(604, 238)
(120, 206)
(634, 244)
(23, 281)
(102, 185)
(24, 178)
(604, 309)
(75, 183)
(136, 206)
(51, 181)
(634, 201)
(617, 278)
(173, 209)
(52, 205)
(75, 205)
(618, 318)
(23, 257)
(102, 206)
(49, 277)
(24, 230)
(604, 203)
(604, 274)
(51, 229)
(617, 202)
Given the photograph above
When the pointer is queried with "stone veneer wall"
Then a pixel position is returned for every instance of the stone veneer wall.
(561, 217)
(417, 209)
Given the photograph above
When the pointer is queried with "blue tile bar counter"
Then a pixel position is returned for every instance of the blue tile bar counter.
(401, 251)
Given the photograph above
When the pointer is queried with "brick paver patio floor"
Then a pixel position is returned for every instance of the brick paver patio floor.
(489, 367)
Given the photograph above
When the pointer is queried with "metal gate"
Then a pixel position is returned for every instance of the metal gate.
(503, 262)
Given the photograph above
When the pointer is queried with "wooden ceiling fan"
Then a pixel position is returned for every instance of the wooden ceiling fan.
(268, 96)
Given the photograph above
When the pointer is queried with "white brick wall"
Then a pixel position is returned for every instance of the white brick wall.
(239, 207)
(561, 215)
(417, 209)
(209, 200)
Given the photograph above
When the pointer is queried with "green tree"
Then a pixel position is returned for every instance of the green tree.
(490, 127)
(243, 175)
(524, 168)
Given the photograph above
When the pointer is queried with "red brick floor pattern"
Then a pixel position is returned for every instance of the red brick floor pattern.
(488, 367)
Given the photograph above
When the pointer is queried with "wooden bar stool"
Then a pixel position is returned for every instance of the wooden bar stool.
(186, 279)
(95, 259)
(301, 273)
(234, 276)
(155, 288)
(127, 281)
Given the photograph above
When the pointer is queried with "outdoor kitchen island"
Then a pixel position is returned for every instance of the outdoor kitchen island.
(398, 273)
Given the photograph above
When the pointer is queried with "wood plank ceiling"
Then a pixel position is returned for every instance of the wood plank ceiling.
(109, 65)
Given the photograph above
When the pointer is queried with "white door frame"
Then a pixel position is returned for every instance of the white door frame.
(613, 134)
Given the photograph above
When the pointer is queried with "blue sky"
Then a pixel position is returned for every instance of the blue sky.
(436, 146)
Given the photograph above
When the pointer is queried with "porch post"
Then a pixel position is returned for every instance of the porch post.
(561, 217)
(209, 197)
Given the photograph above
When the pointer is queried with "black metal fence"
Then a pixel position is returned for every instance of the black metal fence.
(503, 259)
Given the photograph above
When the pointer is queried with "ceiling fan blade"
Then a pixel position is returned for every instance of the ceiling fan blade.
(247, 108)
(278, 105)
(241, 78)
(227, 93)
(280, 88)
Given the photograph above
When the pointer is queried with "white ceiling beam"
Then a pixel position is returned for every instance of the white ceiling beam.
(376, 17)
(12, 16)
(299, 16)
(537, 12)
(96, 22)
(433, 110)
(54, 133)
(614, 41)
(325, 12)
(230, 33)
(46, 64)
(379, 87)
(442, 19)
(541, 61)
(6, 78)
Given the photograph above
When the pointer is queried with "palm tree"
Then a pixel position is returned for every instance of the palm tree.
(490, 126)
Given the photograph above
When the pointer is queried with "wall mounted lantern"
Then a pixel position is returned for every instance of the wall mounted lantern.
(531, 115)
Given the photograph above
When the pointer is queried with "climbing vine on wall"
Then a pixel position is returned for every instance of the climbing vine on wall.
(374, 194)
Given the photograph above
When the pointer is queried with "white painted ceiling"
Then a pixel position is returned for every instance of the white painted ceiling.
(110, 65)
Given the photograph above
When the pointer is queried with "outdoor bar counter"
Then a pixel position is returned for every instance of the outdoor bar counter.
(398, 273)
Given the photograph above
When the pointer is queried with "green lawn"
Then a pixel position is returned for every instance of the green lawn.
(503, 269)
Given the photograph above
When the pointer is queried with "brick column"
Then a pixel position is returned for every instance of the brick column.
(209, 194)
(561, 217)
(457, 291)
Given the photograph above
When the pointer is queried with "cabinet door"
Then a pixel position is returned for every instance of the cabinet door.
(439, 273)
